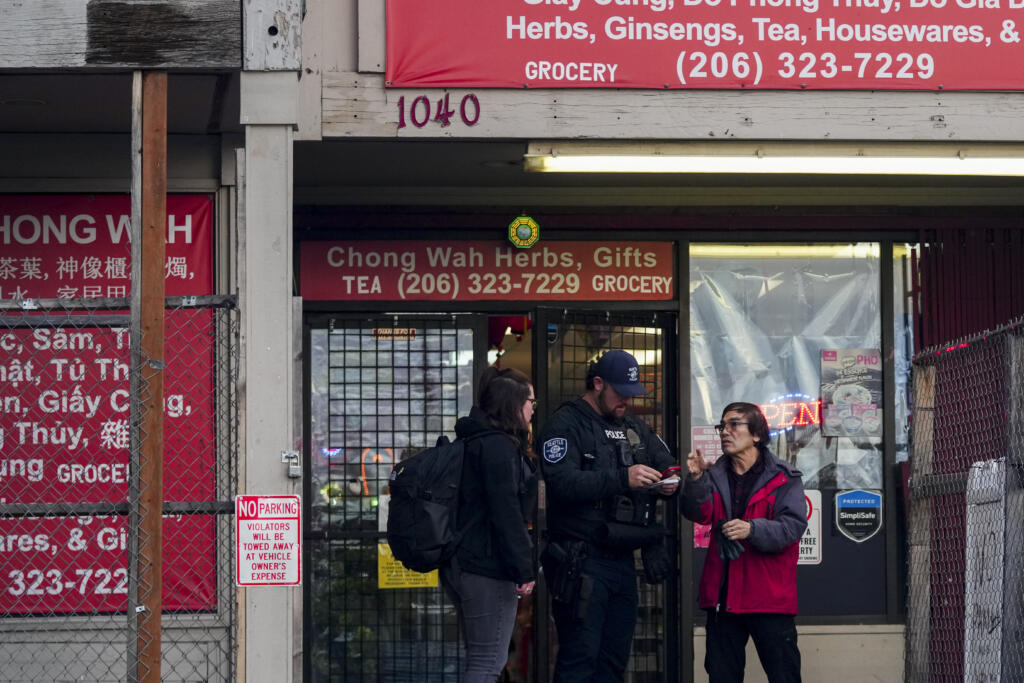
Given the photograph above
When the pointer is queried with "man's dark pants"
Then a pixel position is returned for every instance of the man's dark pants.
(596, 647)
(774, 637)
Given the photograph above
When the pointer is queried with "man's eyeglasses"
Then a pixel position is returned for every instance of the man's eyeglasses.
(533, 402)
(731, 425)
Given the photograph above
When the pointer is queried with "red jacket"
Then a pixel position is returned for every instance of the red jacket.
(763, 578)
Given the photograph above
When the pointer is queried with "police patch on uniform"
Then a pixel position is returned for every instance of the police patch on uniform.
(555, 449)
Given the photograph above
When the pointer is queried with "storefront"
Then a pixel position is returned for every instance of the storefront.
(798, 290)
(384, 386)
(817, 331)
(799, 195)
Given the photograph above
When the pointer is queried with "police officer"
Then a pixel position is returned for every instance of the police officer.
(603, 471)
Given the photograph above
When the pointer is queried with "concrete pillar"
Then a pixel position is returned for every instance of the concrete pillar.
(270, 625)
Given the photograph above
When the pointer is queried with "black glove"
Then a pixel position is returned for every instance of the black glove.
(728, 549)
(657, 563)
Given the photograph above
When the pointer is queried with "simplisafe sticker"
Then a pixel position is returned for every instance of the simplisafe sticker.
(858, 514)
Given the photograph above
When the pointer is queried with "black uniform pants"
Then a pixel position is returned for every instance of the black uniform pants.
(774, 637)
(596, 647)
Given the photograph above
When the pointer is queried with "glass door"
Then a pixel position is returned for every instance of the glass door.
(566, 342)
(379, 390)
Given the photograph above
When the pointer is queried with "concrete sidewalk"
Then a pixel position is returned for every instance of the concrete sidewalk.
(853, 654)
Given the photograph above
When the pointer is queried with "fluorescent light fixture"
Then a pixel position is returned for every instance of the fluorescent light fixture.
(965, 159)
(860, 250)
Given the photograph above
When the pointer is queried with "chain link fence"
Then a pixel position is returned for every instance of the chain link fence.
(72, 444)
(965, 614)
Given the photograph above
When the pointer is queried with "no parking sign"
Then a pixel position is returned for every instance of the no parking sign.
(268, 536)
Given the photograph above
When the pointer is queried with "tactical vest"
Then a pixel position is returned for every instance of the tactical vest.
(637, 507)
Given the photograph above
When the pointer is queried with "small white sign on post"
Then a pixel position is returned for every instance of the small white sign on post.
(269, 533)
(810, 543)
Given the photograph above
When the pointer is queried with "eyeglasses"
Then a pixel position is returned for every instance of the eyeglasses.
(533, 402)
(731, 425)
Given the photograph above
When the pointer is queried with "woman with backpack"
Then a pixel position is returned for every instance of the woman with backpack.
(493, 565)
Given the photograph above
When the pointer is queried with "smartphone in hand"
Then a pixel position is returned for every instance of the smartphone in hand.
(667, 481)
(668, 477)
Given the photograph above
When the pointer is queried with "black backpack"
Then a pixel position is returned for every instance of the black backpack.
(424, 505)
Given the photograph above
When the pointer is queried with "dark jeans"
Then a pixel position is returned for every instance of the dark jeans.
(596, 647)
(487, 608)
(774, 637)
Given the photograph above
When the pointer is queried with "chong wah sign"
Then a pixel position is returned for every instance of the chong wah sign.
(487, 271)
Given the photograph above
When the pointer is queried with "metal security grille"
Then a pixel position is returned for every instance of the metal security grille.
(575, 341)
(70, 393)
(381, 391)
(965, 614)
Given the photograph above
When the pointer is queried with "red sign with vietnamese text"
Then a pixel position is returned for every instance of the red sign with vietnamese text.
(64, 405)
(487, 271)
(666, 44)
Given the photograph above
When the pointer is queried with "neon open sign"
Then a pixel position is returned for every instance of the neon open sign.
(792, 410)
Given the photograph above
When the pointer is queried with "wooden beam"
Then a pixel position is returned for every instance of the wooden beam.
(120, 34)
(919, 537)
(272, 30)
(372, 30)
(358, 105)
(668, 195)
(151, 466)
(314, 49)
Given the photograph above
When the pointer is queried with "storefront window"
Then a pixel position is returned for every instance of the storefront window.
(763, 319)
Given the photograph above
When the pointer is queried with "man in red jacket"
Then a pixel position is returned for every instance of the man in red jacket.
(755, 505)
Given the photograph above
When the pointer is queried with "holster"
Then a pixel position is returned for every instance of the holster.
(618, 536)
(563, 568)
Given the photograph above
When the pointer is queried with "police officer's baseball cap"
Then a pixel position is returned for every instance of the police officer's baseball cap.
(620, 369)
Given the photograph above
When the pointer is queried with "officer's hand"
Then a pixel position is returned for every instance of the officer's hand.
(695, 464)
(668, 489)
(642, 475)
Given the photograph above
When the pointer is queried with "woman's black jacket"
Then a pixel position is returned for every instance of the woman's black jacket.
(496, 500)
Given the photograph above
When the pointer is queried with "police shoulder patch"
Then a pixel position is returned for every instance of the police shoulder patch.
(555, 449)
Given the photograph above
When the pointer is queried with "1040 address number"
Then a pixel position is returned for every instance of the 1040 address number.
(419, 110)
